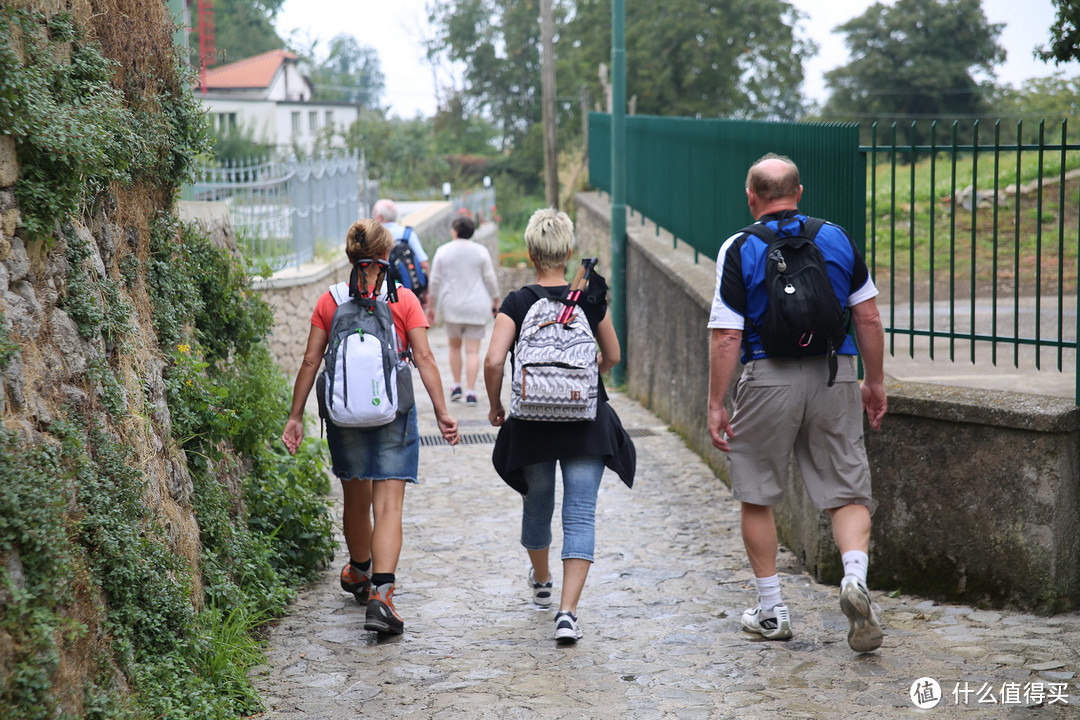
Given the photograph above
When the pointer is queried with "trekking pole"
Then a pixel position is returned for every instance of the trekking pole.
(564, 314)
(581, 281)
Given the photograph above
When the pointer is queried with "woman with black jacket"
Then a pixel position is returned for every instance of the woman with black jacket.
(527, 451)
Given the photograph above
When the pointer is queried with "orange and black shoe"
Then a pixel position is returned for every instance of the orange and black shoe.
(356, 582)
(381, 615)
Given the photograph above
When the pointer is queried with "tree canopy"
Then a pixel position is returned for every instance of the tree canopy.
(351, 72)
(734, 58)
(1064, 34)
(497, 44)
(915, 59)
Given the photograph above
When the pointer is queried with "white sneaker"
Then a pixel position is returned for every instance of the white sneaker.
(566, 627)
(774, 624)
(864, 630)
(541, 591)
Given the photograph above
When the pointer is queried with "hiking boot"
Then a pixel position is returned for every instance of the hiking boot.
(381, 615)
(864, 630)
(566, 627)
(774, 624)
(470, 400)
(455, 393)
(356, 582)
(541, 591)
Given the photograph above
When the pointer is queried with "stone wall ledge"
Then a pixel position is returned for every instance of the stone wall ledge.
(993, 408)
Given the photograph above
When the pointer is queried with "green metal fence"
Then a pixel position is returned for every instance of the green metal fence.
(971, 231)
(688, 175)
(973, 243)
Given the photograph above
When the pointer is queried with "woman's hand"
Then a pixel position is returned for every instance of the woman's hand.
(497, 415)
(448, 427)
(293, 434)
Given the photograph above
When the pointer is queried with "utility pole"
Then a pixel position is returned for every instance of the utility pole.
(547, 89)
(618, 184)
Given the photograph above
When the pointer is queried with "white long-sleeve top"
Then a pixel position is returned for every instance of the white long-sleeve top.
(463, 283)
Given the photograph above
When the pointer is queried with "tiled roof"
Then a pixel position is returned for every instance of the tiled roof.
(253, 72)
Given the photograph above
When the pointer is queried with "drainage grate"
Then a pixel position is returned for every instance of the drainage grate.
(464, 439)
(640, 432)
(483, 438)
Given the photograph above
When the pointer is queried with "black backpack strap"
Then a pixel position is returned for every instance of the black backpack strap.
(811, 227)
(761, 230)
(537, 290)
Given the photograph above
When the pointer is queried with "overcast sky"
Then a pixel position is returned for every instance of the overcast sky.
(396, 29)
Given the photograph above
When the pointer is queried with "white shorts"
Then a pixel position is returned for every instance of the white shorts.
(464, 331)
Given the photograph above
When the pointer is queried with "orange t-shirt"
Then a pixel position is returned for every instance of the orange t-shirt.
(407, 311)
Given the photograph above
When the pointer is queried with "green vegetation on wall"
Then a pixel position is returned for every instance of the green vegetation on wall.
(74, 131)
(139, 549)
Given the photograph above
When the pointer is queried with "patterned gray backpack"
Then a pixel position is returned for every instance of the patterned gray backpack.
(555, 372)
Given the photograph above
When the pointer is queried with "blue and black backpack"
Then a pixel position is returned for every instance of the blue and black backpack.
(803, 316)
(405, 266)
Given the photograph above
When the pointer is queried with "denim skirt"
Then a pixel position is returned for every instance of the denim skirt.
(390, 452)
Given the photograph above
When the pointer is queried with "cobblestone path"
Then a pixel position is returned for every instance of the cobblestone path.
(660, 614)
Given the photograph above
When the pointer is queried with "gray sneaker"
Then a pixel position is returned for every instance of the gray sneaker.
(567, 629)
(774, 624)
(864, 630)
(541, 591)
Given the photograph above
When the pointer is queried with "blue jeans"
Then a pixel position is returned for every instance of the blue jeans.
(581, 482)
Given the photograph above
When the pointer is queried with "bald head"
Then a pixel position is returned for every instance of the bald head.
(773, 177)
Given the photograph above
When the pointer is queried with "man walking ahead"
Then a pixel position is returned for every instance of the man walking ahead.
(790, 404)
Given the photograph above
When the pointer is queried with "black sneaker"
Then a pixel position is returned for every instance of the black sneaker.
(455, 393)
(381, 615)
(470, 400)
(356, 582)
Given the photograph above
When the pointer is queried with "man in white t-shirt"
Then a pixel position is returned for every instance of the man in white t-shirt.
(785, 406)
(464, 291)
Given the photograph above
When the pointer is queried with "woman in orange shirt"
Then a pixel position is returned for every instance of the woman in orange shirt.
(373, 464)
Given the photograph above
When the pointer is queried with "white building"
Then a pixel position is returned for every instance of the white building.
(270, 95)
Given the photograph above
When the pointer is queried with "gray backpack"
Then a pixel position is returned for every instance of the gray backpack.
(555, 372)
(365, 381)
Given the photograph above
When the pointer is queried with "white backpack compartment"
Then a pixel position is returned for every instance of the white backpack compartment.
(358, 396)
(362, 384)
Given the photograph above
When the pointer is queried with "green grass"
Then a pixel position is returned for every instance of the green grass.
(916, 230)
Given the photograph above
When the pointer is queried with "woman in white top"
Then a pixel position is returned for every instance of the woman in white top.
(464, 291)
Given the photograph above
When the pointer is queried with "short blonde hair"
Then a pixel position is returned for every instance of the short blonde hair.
(549, 238)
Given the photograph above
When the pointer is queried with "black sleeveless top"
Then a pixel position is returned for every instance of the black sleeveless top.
(525, 442)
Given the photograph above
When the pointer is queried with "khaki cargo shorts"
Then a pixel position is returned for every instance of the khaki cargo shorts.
(783, 406)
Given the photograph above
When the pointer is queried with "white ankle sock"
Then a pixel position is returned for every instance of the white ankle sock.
(768, 592)
(856, 563)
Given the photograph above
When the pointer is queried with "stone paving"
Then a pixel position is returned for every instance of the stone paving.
(660, 614)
